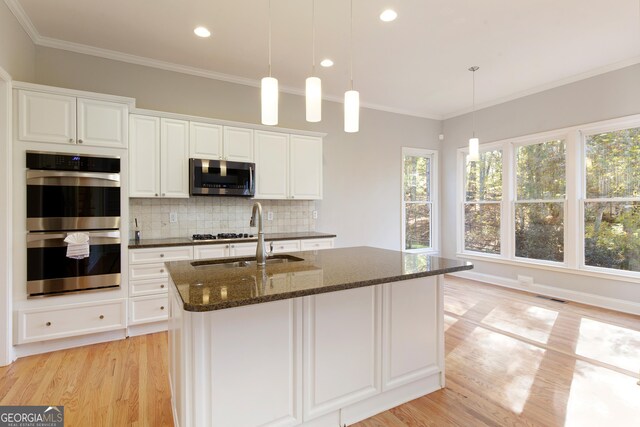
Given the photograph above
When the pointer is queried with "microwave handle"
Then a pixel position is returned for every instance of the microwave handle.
(250, 178)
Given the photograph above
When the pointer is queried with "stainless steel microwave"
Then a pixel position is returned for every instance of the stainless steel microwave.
(221, 178)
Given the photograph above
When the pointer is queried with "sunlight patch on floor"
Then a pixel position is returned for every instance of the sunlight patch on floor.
(526, 320)
(610, 344)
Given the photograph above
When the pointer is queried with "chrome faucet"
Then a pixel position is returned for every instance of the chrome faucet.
(261, 255)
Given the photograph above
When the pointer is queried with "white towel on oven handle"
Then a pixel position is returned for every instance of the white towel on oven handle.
(78, 245)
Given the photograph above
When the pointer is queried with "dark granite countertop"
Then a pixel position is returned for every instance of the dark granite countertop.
(182, 241)
(208, 287)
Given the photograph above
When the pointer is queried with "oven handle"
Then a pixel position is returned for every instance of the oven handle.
(37, 240)
(36, 177)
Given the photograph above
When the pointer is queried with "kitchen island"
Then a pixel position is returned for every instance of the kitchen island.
(318, 338)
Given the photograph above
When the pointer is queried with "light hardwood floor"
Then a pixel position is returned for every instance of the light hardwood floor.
(512, 360)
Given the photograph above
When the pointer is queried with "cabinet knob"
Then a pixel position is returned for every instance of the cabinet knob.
(79, 141)
(71, 140)
(161, 286)
(162, 307)
(48, 323)
(156, 194)
(163, 194)
(101, 316)
(233, 246)
(161, 255)
(162, 270)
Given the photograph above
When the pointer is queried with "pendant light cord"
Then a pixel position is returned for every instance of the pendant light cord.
(474, 103)
(269, 38)
(313, 37)
(351, 45)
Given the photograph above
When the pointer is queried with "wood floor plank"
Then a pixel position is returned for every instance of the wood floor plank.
(512, 360)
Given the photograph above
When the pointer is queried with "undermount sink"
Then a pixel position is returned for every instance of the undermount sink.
(244, 262)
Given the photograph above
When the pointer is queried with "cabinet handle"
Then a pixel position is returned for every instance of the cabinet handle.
(162, 307)
(101, 316)
(48, 323)
(161, 286)
(162, 270)
(163, 194)
(79, 141)
(71, 140)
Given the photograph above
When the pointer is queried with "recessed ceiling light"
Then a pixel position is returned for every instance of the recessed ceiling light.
(202, 32)
(326, 63)
(388, 15)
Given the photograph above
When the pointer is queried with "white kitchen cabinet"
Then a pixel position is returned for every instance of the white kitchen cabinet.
(158, 157)
(305, 177)
(205, 141)
(174, 158)
(222, 250)
(48, 117)
(341, 349)
(280, 246)
(238, 144)
(146, 309)
(288, 166)
(243, 249)
(272, 165)
(316, 244)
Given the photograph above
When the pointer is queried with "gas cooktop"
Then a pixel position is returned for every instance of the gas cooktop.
(220, 236)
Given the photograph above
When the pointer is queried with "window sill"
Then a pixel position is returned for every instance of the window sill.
(632, 277)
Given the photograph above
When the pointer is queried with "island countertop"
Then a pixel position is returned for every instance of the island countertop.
(208, 287)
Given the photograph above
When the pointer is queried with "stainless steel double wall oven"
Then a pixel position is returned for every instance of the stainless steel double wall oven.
(68, 193)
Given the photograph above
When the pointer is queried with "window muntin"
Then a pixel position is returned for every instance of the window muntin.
(539, 207)
(612, 204)
(417, 199)
(483, 203)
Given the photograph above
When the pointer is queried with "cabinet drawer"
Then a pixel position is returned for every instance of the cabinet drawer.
(284, 246)
(148, 287)
(148, 309)
(70, 320)
(211, 251)
(148, 271)
(177, 253)
(314, 244)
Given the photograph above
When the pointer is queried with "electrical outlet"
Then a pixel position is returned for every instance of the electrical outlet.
(269, 216)
(173, 217)
(525, 280)
(314, 214)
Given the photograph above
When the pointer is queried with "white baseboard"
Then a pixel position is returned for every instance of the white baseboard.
(40, 347)
(555, 292)
(147, 328)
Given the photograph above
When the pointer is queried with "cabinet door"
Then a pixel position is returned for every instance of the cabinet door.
(45, 117)
(174, 158)
(205, 141)
(305, 180)
(280, 246)
(102, 124)
(210, 251)
(341, 349)
(409, 306)
(144, 156)
(272, 165)
(243, 249)
(238, 144)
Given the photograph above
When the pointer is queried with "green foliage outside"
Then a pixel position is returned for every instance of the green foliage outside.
(417, 197)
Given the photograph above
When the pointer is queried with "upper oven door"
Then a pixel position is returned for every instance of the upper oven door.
(69, 200)
(221, 178)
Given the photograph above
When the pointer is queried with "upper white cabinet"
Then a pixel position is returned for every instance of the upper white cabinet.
(272, 165)
(305, 158)
(48, 117)
(158, 157)
(209, 141)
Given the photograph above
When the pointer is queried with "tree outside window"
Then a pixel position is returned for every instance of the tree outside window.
(417, 200)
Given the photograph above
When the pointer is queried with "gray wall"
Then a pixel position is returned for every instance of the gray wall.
(361, 171)
(607, 96)
(17, 52)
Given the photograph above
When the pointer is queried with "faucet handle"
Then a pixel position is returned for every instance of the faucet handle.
(270, 248)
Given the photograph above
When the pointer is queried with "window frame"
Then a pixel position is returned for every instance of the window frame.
(574, 201)
(433, 200)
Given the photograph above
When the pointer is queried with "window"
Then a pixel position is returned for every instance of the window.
(539, 205)
(612, 200)
(483, 203)
(418, 184)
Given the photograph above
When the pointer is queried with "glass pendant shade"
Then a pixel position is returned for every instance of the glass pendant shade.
(474, 149)
(269, 101)
(351, 111)
(314, 99)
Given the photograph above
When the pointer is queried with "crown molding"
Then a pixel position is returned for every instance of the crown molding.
(568, 80)
(16, 8)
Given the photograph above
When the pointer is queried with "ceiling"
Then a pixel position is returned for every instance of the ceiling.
(415, 65)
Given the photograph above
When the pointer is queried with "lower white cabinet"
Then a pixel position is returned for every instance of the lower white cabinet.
(152, 308)
(280, 246)
(47, 323)
(316, 244)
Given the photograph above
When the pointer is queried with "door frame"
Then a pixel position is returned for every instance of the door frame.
(7, 354)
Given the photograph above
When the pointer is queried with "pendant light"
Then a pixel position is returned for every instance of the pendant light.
(313, 91)
(474, 143)
(351, 97)
(269, 90)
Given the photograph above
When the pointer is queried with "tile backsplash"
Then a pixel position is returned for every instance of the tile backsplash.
(202, 215)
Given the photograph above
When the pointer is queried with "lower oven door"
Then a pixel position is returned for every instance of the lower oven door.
(50, 271)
